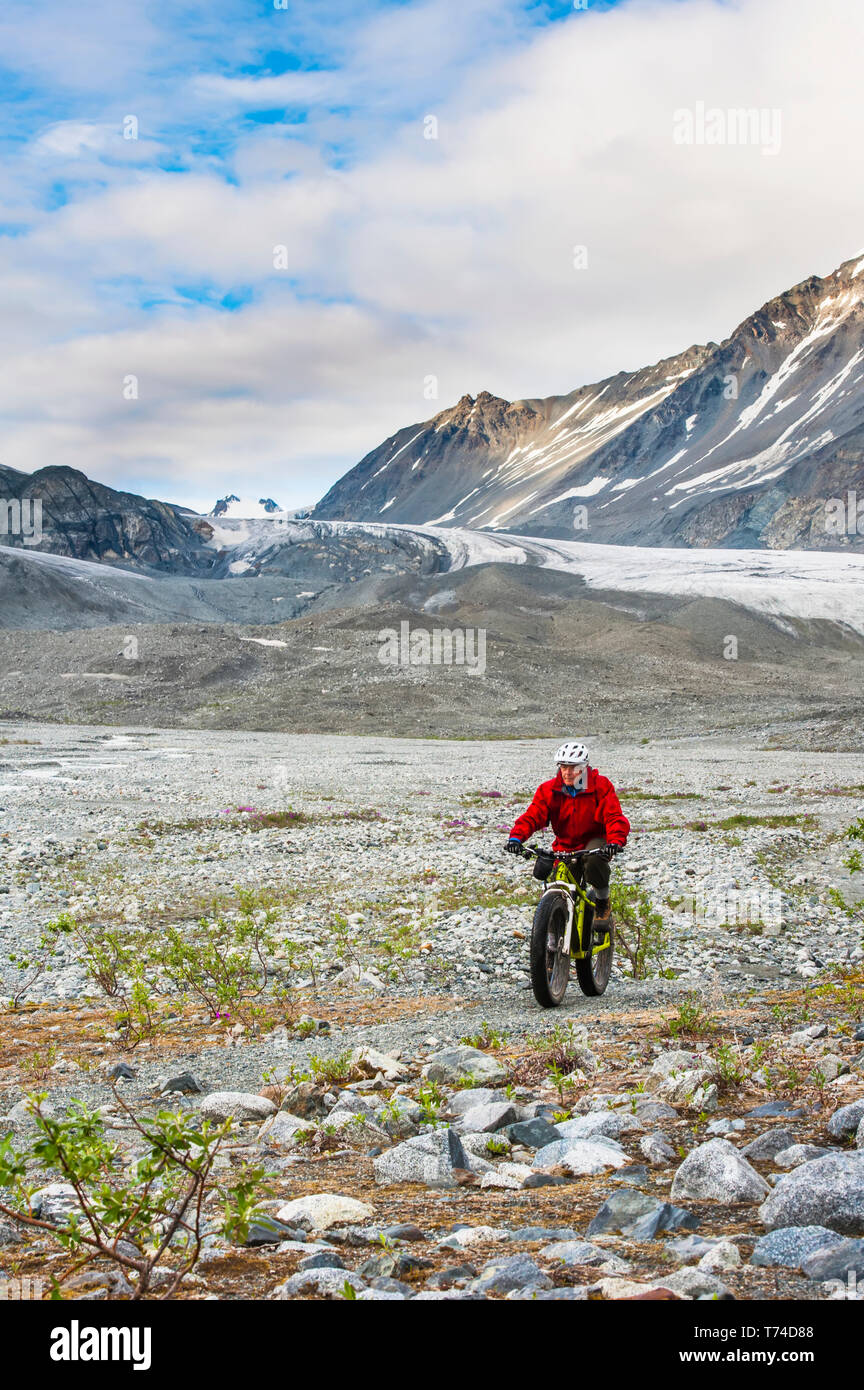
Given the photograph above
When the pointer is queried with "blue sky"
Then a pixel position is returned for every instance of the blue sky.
(324, 205)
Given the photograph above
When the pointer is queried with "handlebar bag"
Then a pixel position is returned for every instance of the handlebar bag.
(543, 864)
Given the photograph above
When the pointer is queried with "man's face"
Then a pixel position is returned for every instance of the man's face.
(570, 773)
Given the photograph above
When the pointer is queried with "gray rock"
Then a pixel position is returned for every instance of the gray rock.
(281, 1129)
(789, 1246)
(323, 1211)
(836, 1261)
(572, 1294)
(827, 1192)
(466, 1100)
(358, 1131)
(768, 1144)
(678, 1061)
(381, 1296)
(808, 1035)
(845, 1121)
(478, 1145)
(651, 1112)
(533, 1134)
(773, 1108)
(657, 1149)
(122, 1072)
(581, 1156)
(322, 1259)
(10, 1232)
(546, 1233)
(716, 1172)
(457, 1064)
(608, 1124)
(55, 1203)
(349, 1102)
(582, 1252)
(401, 1119)
(692, 1282)
(797, 1154)
(447, 1295)
(326, 1283)
(185, 1084)
(236, 1105)
(447, 1278)
(859, 1135)
(635, 1214)
(486, 1119)
(507, 1273)
(267, 1230)
(429, 1158)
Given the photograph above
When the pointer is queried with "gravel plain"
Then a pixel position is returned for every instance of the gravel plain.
(400, 925)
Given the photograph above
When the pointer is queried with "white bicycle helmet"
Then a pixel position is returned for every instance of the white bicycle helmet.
(572, 752)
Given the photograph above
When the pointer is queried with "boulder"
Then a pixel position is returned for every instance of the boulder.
(724, 1255)
(508, 1273)
(827, 1192)
(321, 1283)
(371, 1062)
(236, 1105)
(56, 1203)
(324, 1210)
(357, 1131)
(836, 1261)
(429, 1158)
(581, 1156)
(472, 1096)
(281, 1130)
(691, 1088)
(676, 1062)
(533, 1134)
(457, 1064)
(797, 1154)
(657, 1149)
(789, 1246)
(716, 1172)
(693, 1282)
(609, 1124)
(845, 1121)
(768, 1145)
(631, 1213)
(305, 1099)
(582, 1252)
(486, 1119)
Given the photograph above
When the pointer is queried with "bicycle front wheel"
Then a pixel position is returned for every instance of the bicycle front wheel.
(550, 963)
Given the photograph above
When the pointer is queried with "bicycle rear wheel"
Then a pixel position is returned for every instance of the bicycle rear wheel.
(593, 971)
(550, 963)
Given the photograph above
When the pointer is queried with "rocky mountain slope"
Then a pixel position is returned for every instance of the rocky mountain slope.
(736, 444)
(85, 520)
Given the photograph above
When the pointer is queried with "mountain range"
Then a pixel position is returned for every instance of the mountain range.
(736, 444)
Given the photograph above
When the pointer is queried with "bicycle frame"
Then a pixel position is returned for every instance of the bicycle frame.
(562, 880)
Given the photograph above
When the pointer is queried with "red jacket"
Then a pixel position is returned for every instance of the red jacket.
(589, 814)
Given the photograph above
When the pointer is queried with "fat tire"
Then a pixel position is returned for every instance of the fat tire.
(593, 971)
(551, 912)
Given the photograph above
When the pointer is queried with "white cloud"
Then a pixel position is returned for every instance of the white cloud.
(451, 257)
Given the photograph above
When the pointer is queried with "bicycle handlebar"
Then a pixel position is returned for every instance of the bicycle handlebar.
(532, 851)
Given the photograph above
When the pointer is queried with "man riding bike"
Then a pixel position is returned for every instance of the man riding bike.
(583, 809)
